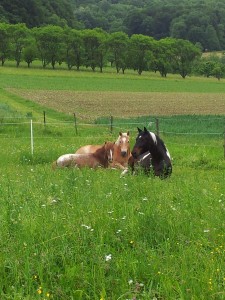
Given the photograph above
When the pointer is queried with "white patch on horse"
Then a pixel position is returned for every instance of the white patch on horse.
(122, 137)
(167, 153)
(153, 137)
(140, 136)
(145, 156)
(111, 154)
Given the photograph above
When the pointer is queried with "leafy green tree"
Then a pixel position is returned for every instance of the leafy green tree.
(94, 48)
(118, 47)
(134, 22)
(140, 51)
(4, 42)
(218, 71)
(178, 28)
(213, 41)
(50, 44)
(19, 34)
(102, 49)
(74, 48)
(163, 56)
(30, 53)
(184, 55)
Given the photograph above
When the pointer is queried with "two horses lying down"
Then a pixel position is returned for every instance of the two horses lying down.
(149, 153)
(109, 154)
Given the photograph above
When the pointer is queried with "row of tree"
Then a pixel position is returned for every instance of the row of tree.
(96, 49)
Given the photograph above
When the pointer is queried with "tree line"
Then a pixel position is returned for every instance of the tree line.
(199, 21)
(96, 49)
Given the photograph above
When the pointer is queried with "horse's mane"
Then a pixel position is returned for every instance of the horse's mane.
(122, 134)
(161, 142)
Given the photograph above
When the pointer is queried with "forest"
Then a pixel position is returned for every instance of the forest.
(200, 21)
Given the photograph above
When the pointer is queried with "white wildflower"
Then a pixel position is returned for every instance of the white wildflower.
(108, 257)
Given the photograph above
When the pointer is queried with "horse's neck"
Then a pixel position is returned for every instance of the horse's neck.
(158, 151)
(101, 156)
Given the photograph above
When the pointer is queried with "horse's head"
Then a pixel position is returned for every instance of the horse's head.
(123, 142)
(144, 140)
(109, 149)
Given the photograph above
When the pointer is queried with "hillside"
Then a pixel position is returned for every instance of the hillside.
(201, 22)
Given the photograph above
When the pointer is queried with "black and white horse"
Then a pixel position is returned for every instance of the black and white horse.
(160, 160)
(142, 163)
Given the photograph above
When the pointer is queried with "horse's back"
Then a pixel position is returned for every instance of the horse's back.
(66, 160)
(88, 149)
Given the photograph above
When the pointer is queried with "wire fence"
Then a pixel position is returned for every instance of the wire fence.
(25, 127)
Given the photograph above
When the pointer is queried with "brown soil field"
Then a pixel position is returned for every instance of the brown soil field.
(89, 105)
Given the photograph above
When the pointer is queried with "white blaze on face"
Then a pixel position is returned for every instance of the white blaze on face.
(153, 137)
(111, 155)
(122, 138)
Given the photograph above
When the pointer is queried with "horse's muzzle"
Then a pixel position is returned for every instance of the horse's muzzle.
(123, 153)
(134, 154)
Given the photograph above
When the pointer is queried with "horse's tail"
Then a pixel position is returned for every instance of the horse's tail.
(54, 165)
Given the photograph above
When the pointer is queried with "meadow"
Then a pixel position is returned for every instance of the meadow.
(92, 234)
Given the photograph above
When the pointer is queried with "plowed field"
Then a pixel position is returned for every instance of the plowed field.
(89, 105)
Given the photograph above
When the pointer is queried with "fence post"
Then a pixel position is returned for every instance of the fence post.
(31, 137)
(75, 122)
(111, 124)
(44, 117)
(157, 126)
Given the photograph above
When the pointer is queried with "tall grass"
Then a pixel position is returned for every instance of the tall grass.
(92, 234)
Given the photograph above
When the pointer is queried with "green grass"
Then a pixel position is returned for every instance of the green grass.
(92, 234)
(89, 81)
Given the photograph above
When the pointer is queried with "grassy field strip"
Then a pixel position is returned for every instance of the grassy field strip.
(73, 234)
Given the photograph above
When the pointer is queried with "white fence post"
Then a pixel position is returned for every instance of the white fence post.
(31, 137)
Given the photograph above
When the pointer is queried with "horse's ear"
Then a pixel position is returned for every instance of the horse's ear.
(145, 129)
(120, 133)
(139, 130)
(128, 133)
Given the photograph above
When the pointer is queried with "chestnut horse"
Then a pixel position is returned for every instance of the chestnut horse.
(121, 152)
(100, 158)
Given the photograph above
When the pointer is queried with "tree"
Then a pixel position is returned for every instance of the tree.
(218, 71)
(94, 48)
(4, 42)
(19, 35)
(212, 38)
(74, 48)
(30, 53)
(118, 46)
(50, 44)
(140, 51)
(184, 55)
(163, 56)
